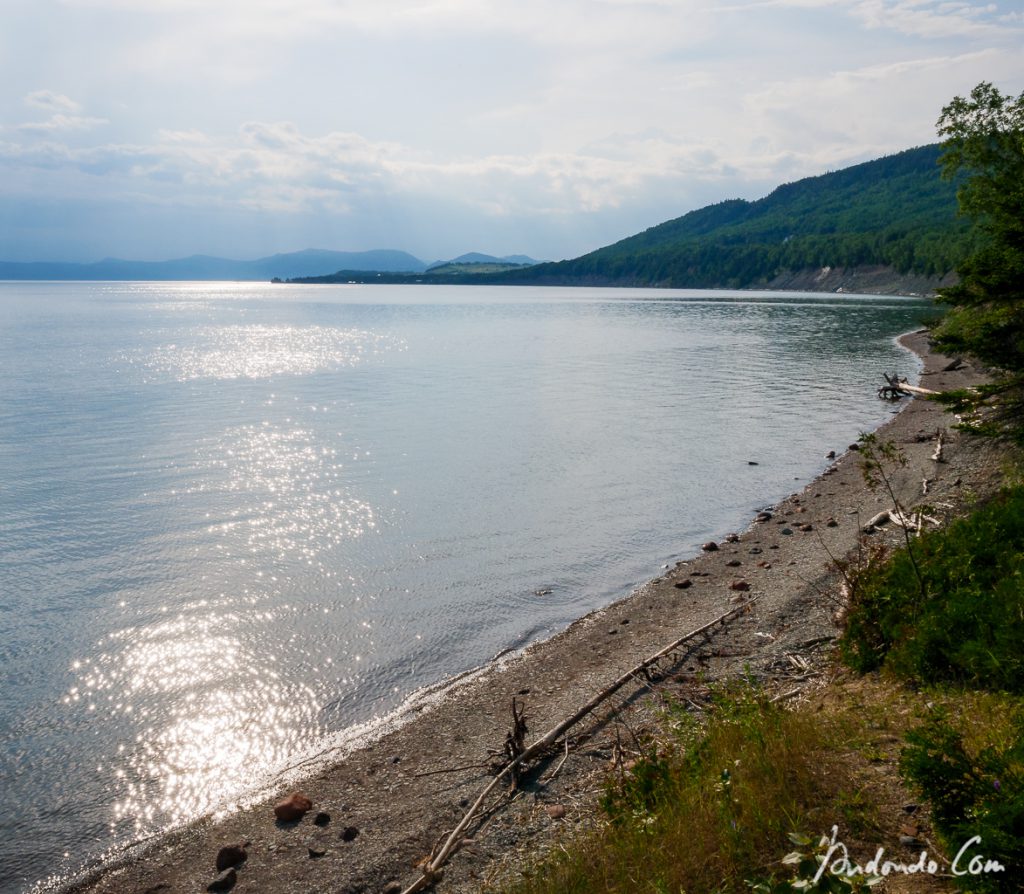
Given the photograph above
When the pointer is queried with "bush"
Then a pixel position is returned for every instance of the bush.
(973, 792)
(963, 620)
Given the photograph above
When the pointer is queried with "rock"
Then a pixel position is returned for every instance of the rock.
(954, 364)
(555, 811)
(763, 517)
(683, 584)
(396, 759)
(911, 841)
(755, 551)
(854, 447)
(732, 538)
(225, 881)
(786, 531)
(764, 564)
(351, 833)
(321, 819)
(830, 455)
(741, 585)
(806, 527)
(393, 888)
(316, 849)
(231, 855)
(911, 808)
(710, 547)
(292, 808)
(751, 462)
(831, 523)
(734, 563)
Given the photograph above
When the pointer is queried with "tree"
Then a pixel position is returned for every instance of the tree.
(984, 144)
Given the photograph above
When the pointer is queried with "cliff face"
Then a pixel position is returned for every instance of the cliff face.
(868, 280)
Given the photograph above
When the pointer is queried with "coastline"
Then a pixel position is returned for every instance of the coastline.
(399, 814)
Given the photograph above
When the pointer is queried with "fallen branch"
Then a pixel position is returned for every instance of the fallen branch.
(432, 869)
(937, 455)
(895, 388)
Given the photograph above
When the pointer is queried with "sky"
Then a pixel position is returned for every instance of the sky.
(152, 129)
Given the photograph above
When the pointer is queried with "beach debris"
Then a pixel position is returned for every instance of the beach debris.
(937, 455)
(954, 364)
(321, 819)
(431, 866)
(739, 585)
(293, 808)
(751, 462)
(710, 547)
(225, 881)
(351, 833)
(895, 388)
(231, 855)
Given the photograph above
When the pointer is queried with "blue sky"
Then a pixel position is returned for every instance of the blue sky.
(151, 129)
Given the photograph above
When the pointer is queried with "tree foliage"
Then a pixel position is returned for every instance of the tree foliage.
(894, 211)
(984, 146)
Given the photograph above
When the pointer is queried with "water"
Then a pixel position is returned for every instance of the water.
(237, 519)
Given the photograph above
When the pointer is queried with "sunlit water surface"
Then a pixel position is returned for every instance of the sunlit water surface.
(238, 519)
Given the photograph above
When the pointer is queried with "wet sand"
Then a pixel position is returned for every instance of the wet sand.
(394, 805)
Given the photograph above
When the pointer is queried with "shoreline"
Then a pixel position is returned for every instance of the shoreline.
(379, 789)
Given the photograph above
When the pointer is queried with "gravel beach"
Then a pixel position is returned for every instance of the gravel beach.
(380, 809)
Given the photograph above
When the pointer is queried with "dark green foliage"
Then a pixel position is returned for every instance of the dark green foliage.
(963, 620)
(973, 793)
(984, 139)
(894, 211)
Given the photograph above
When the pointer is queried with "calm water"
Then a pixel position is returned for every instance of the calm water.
(237, 519)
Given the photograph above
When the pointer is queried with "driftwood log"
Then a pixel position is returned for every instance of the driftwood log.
(895, 388)
(432, 869)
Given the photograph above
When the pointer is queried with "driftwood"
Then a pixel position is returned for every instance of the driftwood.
(895, 388)
(432, 869)
(937, 455)
(913, 522)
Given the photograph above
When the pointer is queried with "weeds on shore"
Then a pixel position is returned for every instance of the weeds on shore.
(715, 810)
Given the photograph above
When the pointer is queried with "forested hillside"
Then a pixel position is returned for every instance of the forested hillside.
(895, 212)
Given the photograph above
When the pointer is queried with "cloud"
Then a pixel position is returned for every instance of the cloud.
(63, 123)
(49, 101)
(63, 114)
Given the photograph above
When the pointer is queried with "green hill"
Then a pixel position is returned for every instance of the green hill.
(895, 212)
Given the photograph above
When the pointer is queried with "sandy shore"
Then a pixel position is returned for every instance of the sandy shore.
(397, 813)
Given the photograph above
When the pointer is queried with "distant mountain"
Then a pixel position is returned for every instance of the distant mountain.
(311, 262)
(895, 213)
(475, 257)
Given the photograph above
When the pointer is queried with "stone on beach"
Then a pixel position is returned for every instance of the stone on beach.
(740, 585)
(231, 855)
(292, 808)
(710, 547)
(225, 881)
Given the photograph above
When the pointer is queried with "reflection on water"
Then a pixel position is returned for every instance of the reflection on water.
(237, 519)
(256, 352)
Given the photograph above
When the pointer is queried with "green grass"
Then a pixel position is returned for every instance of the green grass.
(713, 810)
